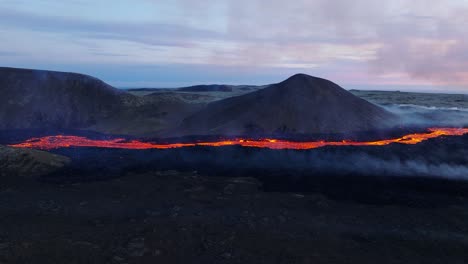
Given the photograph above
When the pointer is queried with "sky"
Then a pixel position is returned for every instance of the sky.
(415, 45)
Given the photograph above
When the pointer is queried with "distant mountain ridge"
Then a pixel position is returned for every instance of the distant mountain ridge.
(198, 88)
(207, 88)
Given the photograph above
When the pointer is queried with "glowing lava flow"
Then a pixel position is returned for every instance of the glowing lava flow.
(54, 142)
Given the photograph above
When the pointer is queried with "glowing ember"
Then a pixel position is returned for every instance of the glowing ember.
(54, 142)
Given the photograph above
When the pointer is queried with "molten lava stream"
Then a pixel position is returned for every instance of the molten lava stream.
(54, 142)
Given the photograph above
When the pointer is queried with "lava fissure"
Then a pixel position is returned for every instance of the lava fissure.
(62, 141)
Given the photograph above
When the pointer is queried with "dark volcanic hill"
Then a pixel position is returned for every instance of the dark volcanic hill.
(300, 104)
(46, 99)
(36, 99)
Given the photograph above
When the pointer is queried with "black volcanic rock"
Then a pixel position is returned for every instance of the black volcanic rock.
(300, 104)
(46, 99)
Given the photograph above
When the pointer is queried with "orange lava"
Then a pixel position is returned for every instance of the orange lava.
(54, 142)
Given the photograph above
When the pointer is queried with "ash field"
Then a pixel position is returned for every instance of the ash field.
(373, 185)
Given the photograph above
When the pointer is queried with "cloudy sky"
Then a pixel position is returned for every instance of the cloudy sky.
(394, 44)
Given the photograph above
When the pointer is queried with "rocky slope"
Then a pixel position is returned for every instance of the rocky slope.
(148, 115)
(28, 163)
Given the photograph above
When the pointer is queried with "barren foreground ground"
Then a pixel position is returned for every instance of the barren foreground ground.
(173, 217)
